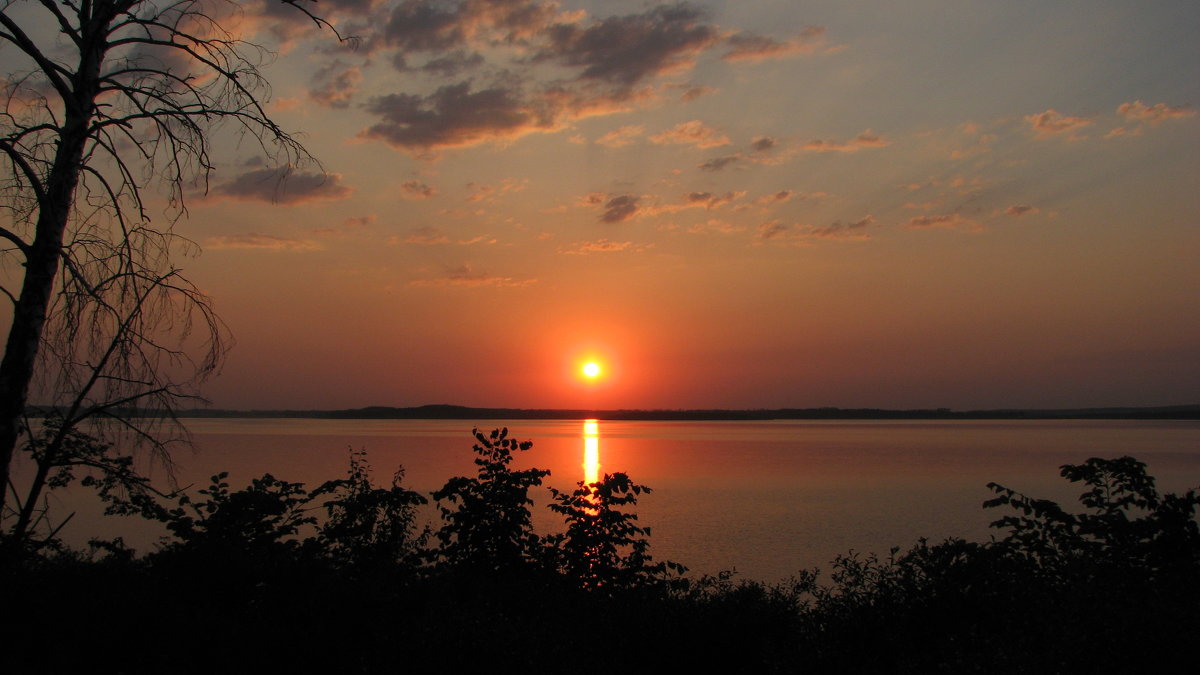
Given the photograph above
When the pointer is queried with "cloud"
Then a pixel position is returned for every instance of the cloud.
(1153, 114)
(264, 242)
(781, 197)
(603, 246)
(415, 189)
(1053, 123)
(427, 236)
(284, 185)
(620, 208)
(335, 85)
(748, 46)
(948, 221)
(488, 193)
(863, 141)
(360, 221)
(771, 229)
(691, 133)
(839, 230)
(621, 137)
(455, 116)
(416, 26)
(763, 144)
(799, 234)
(712, 201)
(691, 93)
(717, 226)
(719, 163)
(465, 276)
(626, 50)
(1020, 210)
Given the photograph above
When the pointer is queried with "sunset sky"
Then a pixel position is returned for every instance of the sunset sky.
(741, 204)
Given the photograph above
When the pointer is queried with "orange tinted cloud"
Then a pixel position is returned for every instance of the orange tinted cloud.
(863, 141)
(691, 133)
(1053, 123)
(748, 46)
(602, 246)
(264, 242)
(948, 221)
(1153, 114)
(621, 137)
(466, 276)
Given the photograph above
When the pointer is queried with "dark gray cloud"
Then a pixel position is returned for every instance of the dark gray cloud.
(763, 143)
(718, 163)
(454, 116)
(620, 208)
(285, 185)
(625, 50)
(335, 84)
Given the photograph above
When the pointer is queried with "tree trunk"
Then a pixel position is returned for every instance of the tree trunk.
(42, 259)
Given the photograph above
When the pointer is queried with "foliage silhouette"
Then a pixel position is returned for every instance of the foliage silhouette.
(603, 549)
(487, 525)
(369, 526)
(262, 570)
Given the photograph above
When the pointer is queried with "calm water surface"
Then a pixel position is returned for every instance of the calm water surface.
(764, 498)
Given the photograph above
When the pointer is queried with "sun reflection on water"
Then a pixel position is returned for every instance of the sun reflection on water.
(591, 451)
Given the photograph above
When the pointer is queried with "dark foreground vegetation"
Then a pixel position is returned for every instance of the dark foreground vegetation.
(277, 578)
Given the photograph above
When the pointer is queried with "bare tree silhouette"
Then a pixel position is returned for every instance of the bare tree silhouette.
(105, 100)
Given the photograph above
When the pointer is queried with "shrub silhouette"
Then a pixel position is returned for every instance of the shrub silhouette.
(487, 525)
(603, 548)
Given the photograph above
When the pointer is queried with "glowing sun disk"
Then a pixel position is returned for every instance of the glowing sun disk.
(591, 369)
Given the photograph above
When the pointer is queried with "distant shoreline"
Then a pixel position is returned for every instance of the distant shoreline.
(456, 412)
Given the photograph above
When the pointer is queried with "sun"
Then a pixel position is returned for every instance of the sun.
(591, 370)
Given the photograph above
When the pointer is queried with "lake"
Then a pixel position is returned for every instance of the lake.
(767, 498)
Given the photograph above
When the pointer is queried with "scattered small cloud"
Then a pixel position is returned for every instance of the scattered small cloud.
(748, 46)
(262, 242)
(427, 236)
(489, 192)
(284, 185)
(621, 137)
(710, 201)
(467, 277)
(335, 85)
(781, 197)
(953, 221)
(691, 133)
(771, 229)
(715, 226)
(360, 221)
(620, 208)
(719, 163)
(693, 92)
(1052, 123)
(1021, 210)
(414, 189)
(1153, 114)
(603, 246)
(865, 140)
(763, 144)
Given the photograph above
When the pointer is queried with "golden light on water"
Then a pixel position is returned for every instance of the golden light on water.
(591, 451)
